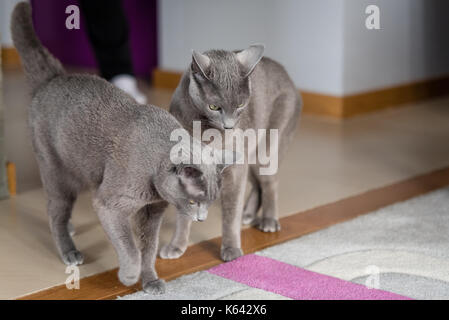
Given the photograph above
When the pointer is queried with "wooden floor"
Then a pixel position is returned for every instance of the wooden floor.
(204, 255)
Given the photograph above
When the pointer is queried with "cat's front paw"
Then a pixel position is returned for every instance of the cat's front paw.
(170, 252)
(228, 254)
(269, 225)
(72, 258)
(154, 287)
(129, 275)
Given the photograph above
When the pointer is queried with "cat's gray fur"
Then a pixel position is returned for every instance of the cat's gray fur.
(271, 101)
(88, 133)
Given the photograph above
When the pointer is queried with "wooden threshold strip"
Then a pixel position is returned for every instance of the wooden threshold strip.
(205, 254)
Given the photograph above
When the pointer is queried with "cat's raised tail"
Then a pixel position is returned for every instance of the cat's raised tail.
(39, 65)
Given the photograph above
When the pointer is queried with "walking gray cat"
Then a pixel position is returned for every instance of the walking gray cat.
(87, 133)
(229, 90)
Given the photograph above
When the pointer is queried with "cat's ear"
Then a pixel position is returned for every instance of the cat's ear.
(249, 58)
(190, 177)
(200, 63)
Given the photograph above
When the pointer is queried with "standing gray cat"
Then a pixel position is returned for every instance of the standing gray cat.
(87, 133)
(229, 90)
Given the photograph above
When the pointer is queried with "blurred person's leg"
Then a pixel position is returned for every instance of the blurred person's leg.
(108, 32)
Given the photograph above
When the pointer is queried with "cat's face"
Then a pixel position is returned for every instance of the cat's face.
(191, 188)
(220, 86)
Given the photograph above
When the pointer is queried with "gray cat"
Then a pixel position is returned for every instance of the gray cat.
(229, 90)
(87, 133)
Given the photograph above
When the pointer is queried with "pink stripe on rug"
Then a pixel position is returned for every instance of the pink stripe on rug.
(296, 283)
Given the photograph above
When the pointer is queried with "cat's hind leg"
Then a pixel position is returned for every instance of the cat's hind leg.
(71, 228)
(269, 222)
(284, 118)
(59, 212)
(61, 189)
(61, 198)
(253, 202)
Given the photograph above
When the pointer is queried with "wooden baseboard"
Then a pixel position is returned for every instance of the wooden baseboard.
(321, 104)
(10, 58)
(11, 178)
(205, 255)
(165, 79)
(395, 96)
(350, 105)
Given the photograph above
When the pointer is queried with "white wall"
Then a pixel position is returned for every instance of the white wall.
(323, 44)
(412, 45)
(6, 7)
(313, 59)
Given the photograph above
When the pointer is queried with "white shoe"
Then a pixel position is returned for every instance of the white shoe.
(129, 84)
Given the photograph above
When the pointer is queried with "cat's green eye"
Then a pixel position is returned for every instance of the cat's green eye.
(240, 105)
(192, 202)
(213, 107)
